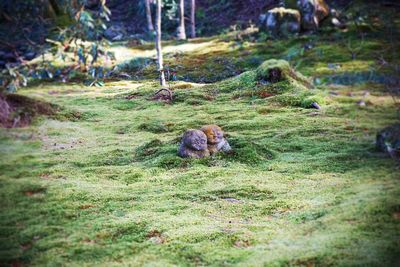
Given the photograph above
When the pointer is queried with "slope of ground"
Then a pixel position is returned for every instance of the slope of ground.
(303, 187)
(102, 185)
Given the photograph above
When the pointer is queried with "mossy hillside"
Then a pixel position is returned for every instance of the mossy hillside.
(304, 187)
(291, 189)
(276, 80)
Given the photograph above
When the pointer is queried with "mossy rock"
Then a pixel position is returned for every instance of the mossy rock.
(274, 78)
(277, 70)
(275, 74)
(283, 21)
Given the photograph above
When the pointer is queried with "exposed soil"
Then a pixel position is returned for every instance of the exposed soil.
(19, 111)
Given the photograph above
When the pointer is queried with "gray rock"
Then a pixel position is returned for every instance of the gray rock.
(29, 55)
(282, 21)
(388, 140)
(361, 103)
(312, 13)
(115, 33)
(193, 145)
(315, 105)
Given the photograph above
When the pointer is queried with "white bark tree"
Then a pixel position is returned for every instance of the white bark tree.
(150, 26)
(193, 19)
(158, 44)
(181, 32)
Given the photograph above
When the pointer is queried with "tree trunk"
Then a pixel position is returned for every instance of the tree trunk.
(49, 11)
(55, 6)
(181, 32)
(193, 19)
(158, 44)
(150, 26)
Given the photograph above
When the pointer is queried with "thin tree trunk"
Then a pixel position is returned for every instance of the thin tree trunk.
(55, 7)
(150, 26)
(181, 32)
(49, 11)
(193, 18)
(158, 44)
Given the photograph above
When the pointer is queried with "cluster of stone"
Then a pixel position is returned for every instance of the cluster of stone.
(202, 143)
(282, 21)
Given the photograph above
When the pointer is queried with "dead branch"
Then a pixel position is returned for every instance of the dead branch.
(158, 95)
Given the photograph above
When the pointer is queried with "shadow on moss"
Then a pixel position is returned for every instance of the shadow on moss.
(154, 127)
(164, 155)
(231, 193)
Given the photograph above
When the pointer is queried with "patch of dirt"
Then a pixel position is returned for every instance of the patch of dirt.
(19, 111)
(242, 243)
(156, 237)
(31, 193)
(85, 207)
(264, 94)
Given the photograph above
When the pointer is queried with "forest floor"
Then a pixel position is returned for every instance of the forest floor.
(101, 184)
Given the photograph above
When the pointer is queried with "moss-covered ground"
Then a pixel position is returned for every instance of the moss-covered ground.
(101, 185)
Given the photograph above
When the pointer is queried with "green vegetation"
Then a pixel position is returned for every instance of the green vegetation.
(108, 188)
(99, 183)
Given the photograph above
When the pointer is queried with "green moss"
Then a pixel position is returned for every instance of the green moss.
(246, 80)
(275, 80)
(300, 188)
(154, 127)
(248, 152)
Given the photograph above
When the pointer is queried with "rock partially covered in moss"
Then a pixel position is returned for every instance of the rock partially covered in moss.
(276, 80)
(275, 76)
(388, 140)
(275, 71)
(282, 21)
(312, 13)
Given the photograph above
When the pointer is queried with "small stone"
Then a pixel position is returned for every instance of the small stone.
(315, 105)
(308, 46)
(29, 55)
(361, 103)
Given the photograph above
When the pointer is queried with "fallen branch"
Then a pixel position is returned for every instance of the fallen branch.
(159, 96)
